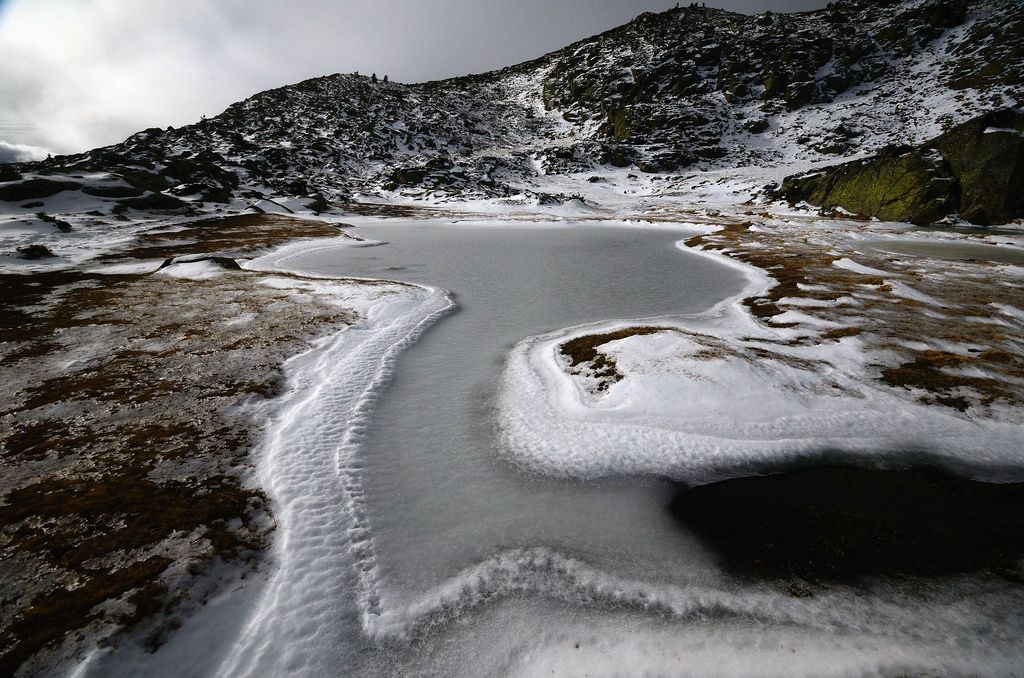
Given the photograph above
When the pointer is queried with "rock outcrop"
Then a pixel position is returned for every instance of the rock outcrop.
(975, 169)
(986, 155)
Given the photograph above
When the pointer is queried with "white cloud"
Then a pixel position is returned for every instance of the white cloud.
(20, 152)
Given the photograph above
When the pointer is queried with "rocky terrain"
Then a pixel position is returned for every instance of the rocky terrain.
(689, 89)
(138, 356)
(975, 169)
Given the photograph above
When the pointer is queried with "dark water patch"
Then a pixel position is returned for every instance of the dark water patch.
(834, 522)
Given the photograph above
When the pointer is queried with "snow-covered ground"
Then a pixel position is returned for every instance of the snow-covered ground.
(717, 394)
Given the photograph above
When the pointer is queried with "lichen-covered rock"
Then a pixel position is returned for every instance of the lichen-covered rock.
(987, 156)
(899, 184)
(976, 168)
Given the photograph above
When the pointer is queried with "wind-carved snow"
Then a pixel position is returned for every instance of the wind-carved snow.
(718, 394)
(308, 467)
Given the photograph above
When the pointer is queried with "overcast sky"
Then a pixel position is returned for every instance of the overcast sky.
(76, 74)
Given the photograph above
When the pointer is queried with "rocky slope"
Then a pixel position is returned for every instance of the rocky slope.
(975, 169)
(689, 89)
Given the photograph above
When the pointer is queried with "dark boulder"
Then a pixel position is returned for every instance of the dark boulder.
(31, 189)
(799, 94)
(409, 176)
(146, 181)
(756, 126)
(619, 156)
(987, 156)
(35, 252)
(318, 203)
(899, 184)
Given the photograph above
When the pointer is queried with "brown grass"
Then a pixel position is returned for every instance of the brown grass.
(584, 350)
(803, 268)
(140, 441)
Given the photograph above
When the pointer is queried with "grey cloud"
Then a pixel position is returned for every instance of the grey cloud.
(83, 73)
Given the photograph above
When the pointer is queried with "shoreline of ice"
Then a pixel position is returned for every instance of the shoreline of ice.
(305, 464)
(694, 420)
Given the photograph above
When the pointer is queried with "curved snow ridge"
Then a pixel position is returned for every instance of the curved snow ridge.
(923, 615)
(275, 261)
(322, 551)
(349, 470)
(720, 395)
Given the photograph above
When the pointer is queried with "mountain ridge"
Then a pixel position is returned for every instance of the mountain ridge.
(686, 90)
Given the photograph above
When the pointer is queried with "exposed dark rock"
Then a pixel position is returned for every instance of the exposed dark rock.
(9, 173)
(834, 522)
(113, 191)
(62, 226)
(799, 94)
(899, 184)
(224, 262)
(154, 201)
(620, 156)
(987, 156)
(146, 181)
(409, 176)
(30, 189)
(318, 203)
(756, 126)
(922, 24)
(976, 168)
(35, 252)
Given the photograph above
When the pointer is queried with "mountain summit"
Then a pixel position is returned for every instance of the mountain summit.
(686, 90)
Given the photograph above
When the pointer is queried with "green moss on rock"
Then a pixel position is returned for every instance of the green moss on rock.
(987, 156)
(976, 168)
(899, 184)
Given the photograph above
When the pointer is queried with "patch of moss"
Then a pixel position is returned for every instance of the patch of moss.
(50, 617)
(584, 350)
(899, 184)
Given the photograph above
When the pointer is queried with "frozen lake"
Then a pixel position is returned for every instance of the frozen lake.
(440, 496)
(408, 544)
(482, 568)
